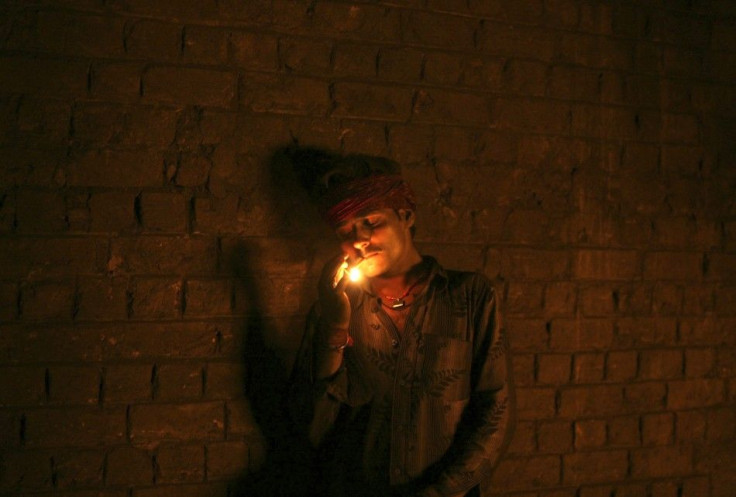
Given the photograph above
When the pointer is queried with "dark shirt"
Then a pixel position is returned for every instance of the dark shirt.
(427, 405)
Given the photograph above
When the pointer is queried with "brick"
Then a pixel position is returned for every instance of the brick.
(205, 87)
(153, 40)
(9, 295)
(26, 470)
(624, 431)
(595, 466)
(527, 472)
(650, 396)
(523, 439)
(606, 264)
(372, 101)
(357, 61)
(595, 51)
(594, 400)
(721, 424)
(527, 334)
(102, 299)
(115, 168)
(164, 255)
(581, 334)
(258, 51)
(51, 256)
(400, 64)
(686, 394)
(204, 45)
(590, 434)
(79, 468)
(440, 30)
(706, 331)
(119, 81)
(277, 94)
(164, 212)
(192, 171)
(75, 427)
(178, 382)
(112, 212)
(128, 383)
(534, 264)
(690, 426)
(634, 299)
(658, 429)
(721, 267)
(560, 299)
(637, 332)
(692, 487)
(80, 35)
(553, 369)
(71, 385)
(573, 83)
(516, 41)
(179, 463)
(442, 106)
(208, 298)
(528, 226)
(535, 403)
(622, 366)
(36, 343)
(588, 367)
(523, 77)
(48, 300)
(365, 22)
(531, 114)
(660, 364)
(227, 460)
(40, 212)
(153, 341)
(524, 369)
(597, 301)
(173, 422)
(555, 437)
(305, 56)
(661, 461)
(129, 466)
(42, 76)
(44, 119)
(225, 380)
(26, 388)
(666, 299)
(673, 266)
(524, 299)
(156, 298)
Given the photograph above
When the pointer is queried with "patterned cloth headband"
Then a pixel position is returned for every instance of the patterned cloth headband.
(366, 194)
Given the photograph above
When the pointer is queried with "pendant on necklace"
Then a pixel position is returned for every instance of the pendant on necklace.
(399, 304)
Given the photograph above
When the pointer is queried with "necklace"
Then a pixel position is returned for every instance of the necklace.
(400, 302)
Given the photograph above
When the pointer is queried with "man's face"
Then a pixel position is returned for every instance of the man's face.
(382, 238)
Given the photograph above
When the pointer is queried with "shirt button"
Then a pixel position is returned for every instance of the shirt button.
(397, 471)
(395, 343)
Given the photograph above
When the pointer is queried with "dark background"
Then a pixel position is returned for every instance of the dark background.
(157, 260)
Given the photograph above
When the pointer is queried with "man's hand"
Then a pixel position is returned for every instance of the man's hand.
(334, 302)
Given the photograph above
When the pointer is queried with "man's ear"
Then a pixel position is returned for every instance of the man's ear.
(407, 215)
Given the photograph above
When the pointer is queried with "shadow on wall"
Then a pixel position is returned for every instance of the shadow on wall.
(287, 469)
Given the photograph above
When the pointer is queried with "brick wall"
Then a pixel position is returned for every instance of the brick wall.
(156, 261)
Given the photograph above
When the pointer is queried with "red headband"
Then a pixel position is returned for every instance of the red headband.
(366, 194)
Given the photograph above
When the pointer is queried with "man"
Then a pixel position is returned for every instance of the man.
(406, 372)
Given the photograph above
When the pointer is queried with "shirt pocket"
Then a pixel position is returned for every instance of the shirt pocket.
(446, 367)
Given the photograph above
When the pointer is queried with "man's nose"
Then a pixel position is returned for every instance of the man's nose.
(361, 237)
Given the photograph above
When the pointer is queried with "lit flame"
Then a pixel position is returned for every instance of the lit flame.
(354, 274)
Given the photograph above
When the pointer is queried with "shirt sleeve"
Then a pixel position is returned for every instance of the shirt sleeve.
(484, 429)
